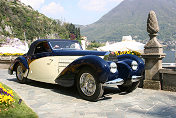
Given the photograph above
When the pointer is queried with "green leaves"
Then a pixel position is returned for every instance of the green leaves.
(24, 19)
(74, 32)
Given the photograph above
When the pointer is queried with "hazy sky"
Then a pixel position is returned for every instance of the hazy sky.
(81, 12)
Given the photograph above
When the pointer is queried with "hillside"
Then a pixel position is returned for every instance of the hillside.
(130, 18)
(17, 18)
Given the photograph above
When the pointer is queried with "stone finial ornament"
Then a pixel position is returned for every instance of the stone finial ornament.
(152, 23)
(153, 55)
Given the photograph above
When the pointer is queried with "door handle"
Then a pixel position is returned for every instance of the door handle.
(50, 60)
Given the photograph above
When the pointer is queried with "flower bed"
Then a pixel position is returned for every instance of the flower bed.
(14, 107)
(8, 57)
(10, 54)
(6, 97)
(117, 53)
(127, 52)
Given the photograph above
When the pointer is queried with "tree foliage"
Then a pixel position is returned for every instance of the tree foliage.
(17, 18)
(74, 32)
(94, 45)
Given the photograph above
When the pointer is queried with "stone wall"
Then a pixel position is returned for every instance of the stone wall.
(4, 65)
(5, 61)
(168, 79)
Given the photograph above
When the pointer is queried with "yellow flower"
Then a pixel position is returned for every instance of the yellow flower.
(6, 96)
(116, 53)
(10, 54)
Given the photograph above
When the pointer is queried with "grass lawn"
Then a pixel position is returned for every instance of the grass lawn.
(17, 110)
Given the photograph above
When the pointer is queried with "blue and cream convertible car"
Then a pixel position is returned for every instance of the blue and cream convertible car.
(64, 62)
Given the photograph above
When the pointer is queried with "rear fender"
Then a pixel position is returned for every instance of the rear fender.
(20, 59)
(99, 65)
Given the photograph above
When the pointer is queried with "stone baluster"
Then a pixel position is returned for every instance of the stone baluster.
(153, 54)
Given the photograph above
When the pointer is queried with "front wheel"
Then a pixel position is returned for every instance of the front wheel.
(88, 86)
(128, 88)
(20, 70)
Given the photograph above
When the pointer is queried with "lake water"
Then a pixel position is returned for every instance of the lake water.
(170, 57)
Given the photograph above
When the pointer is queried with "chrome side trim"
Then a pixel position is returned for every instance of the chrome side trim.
(118, 81)
(135, 78)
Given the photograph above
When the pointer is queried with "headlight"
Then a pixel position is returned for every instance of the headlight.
(113, 67)
(134, 65)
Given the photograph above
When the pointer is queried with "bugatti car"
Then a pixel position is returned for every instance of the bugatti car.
(64, 62)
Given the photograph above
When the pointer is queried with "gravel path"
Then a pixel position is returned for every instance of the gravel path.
(53, 101)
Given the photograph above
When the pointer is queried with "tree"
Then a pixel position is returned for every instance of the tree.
(72, 36)
(78, 33)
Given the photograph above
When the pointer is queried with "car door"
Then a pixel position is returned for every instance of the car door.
(43, 66)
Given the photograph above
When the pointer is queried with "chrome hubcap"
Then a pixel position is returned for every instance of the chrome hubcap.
(87, 84)
(20, 73)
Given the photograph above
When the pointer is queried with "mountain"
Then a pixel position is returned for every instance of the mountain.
(130, 18)
(17, 18)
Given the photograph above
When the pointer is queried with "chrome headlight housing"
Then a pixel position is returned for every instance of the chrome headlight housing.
(134, 65)
(113, 67)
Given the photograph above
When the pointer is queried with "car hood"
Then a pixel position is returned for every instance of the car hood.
(77, 52)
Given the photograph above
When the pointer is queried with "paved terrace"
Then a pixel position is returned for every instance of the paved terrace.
(53, 101)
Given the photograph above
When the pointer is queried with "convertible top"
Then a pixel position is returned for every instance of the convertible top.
(33, 45)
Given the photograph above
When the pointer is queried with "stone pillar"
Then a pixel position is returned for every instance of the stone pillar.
(153, 54)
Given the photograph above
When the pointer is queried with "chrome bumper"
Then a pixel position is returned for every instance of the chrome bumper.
(117, 81)
(136, 78)
(120, 81)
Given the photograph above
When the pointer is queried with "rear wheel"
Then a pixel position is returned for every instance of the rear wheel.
(20, 70)
(88, 86)
(128, 88)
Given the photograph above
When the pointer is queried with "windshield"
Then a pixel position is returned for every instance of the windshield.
(57, 45)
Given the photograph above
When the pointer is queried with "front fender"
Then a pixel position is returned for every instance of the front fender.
(128, 58)
(99, 65)
(124, 70)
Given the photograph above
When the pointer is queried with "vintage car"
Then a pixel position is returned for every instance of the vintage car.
(63, 62)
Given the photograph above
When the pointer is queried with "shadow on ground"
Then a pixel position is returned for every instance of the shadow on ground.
(69, 91)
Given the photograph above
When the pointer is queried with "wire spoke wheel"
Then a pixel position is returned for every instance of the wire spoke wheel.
(20, 73)
(87, 84)
(20, 70)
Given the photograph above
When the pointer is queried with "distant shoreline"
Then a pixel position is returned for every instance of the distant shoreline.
(170, 56)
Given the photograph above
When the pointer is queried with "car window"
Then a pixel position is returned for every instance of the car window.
(42, 47)
(57, 45)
